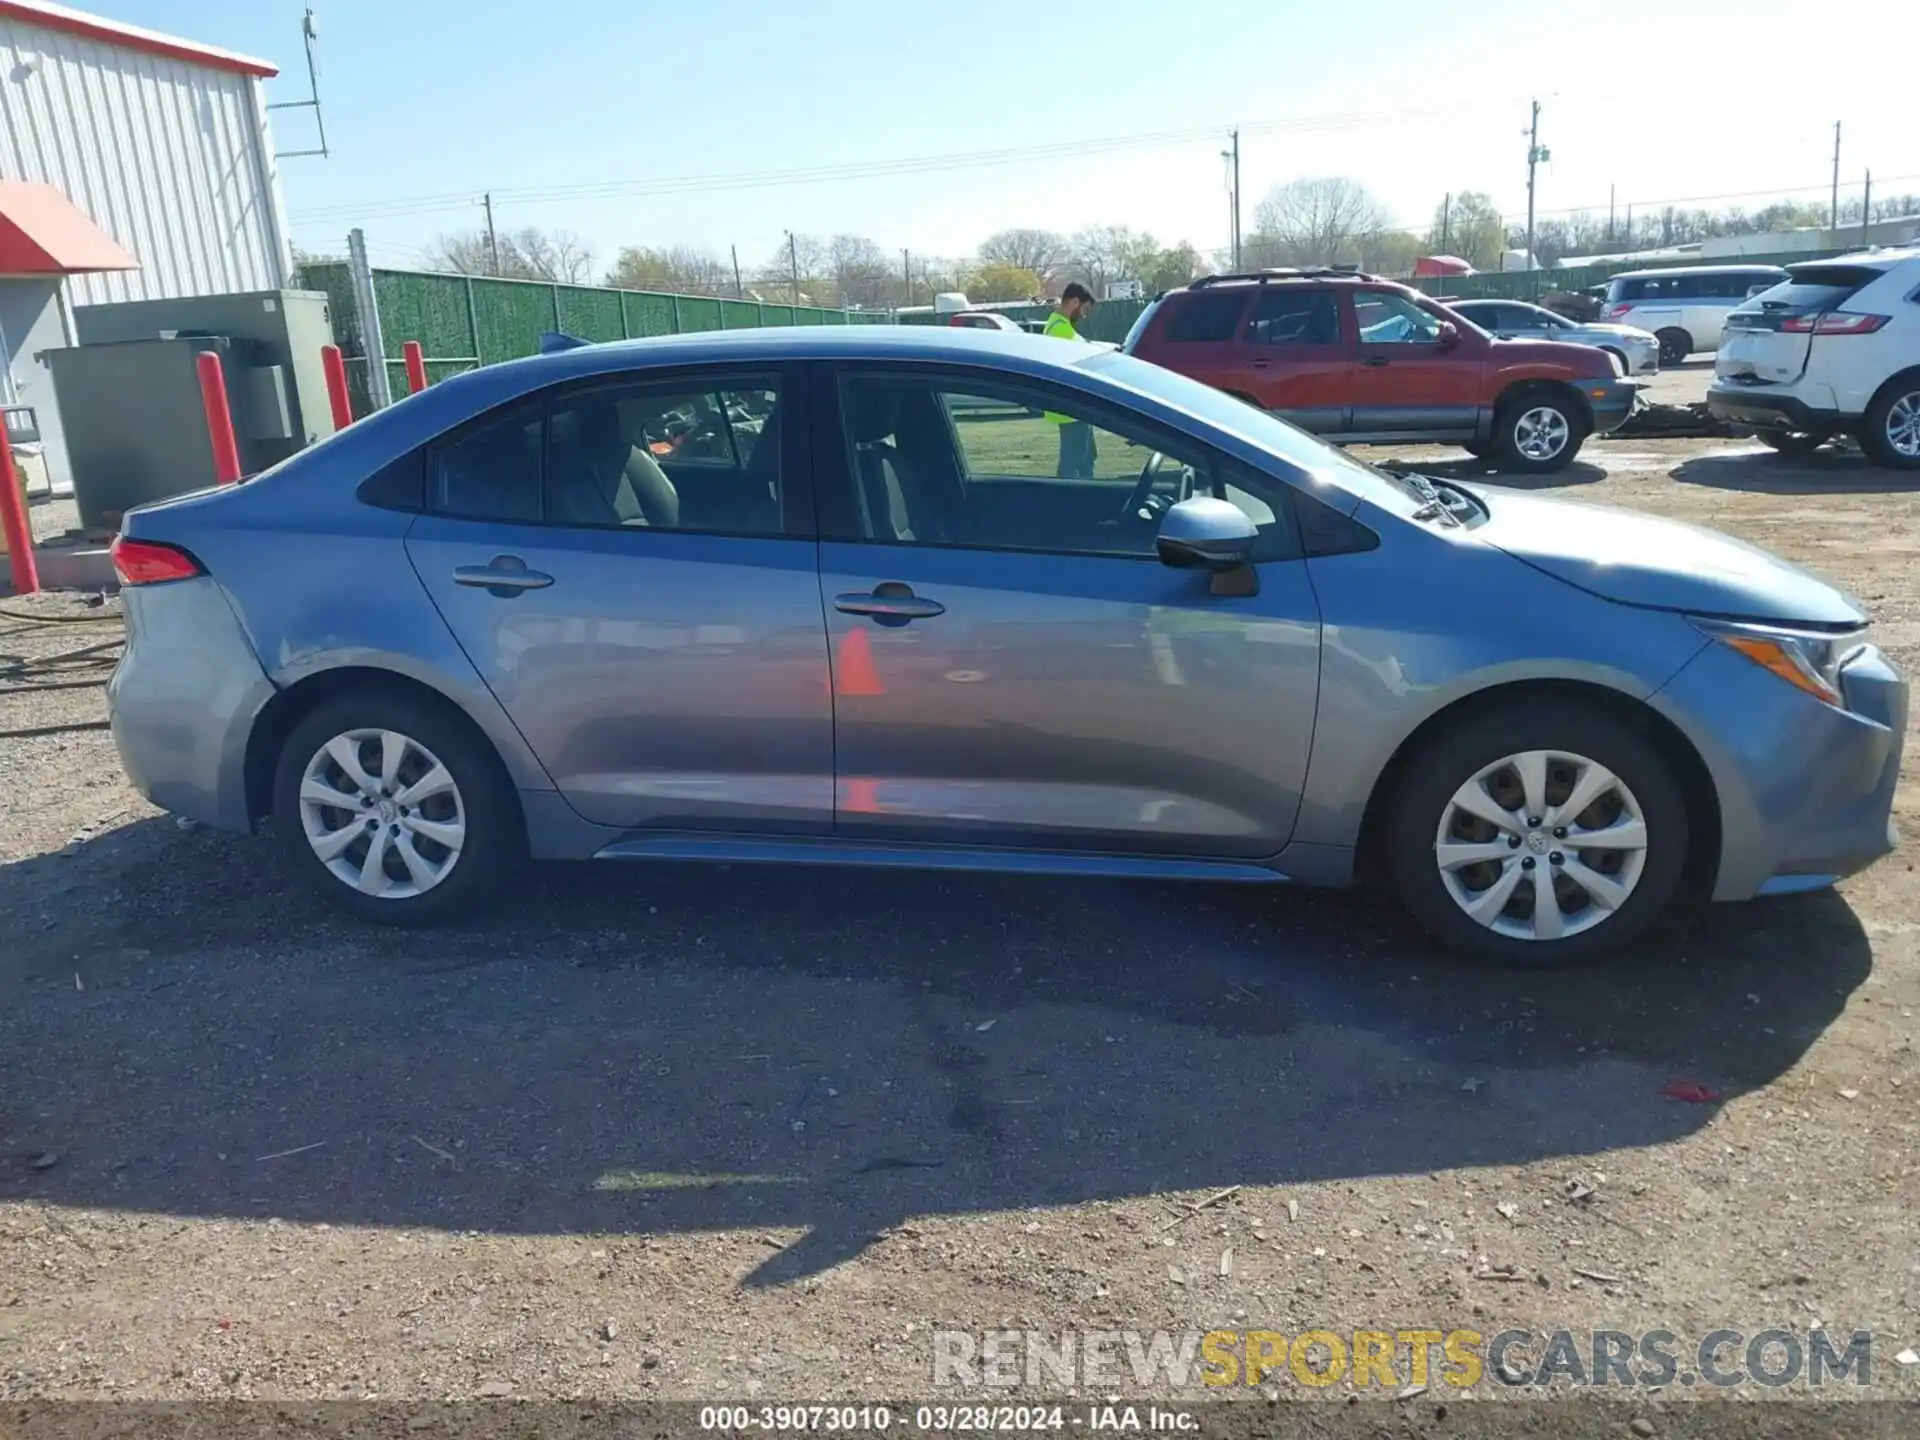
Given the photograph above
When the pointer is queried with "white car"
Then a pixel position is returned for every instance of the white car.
(1637, 350)
(1685, 306)
(1835, 348)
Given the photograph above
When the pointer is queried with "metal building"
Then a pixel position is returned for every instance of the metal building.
(120, 141)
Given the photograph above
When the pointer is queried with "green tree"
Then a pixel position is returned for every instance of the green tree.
(1468, 226)
(1002, 282)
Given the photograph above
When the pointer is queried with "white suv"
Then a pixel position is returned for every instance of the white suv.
(1836, 347)
(1686, 305)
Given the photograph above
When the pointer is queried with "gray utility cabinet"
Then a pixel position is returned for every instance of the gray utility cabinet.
(129, 392)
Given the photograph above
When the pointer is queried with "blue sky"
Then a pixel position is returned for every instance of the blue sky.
(567, 110)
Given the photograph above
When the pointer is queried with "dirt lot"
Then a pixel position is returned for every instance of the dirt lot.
(733, 1133)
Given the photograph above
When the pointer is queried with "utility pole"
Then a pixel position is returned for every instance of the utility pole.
(739, 290)
(1446, 224)
(1536, 152)
(906, 274)
(1236, 198)
(1833, 222)
(793, 264)
(493, 240)
(1610, 214)
(1866, 209)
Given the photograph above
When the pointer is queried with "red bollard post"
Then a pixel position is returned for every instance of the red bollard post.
(13, 519)
(336, 369)
(416, 367)
(213, 396)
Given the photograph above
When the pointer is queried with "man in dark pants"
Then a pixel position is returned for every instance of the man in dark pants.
(1076, 436)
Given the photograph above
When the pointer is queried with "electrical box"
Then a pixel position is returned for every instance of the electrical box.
(283, 328)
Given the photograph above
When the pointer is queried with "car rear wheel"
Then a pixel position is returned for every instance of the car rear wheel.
(1675, 346)
(1890, 430)
(1537, 834)
(394, 809)
(1538, 431)
(1793, 442)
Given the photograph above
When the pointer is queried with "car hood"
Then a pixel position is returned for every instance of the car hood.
(1601, 327)
(1638, 559)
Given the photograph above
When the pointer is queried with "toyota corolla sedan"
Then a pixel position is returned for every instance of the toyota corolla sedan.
(945, 599)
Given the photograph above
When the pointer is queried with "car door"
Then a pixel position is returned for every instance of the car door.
(1292, 358)
(630, 564)
(1409, 380)
(1012, 666)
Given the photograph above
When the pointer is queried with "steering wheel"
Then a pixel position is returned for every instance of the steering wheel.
(1143, 507)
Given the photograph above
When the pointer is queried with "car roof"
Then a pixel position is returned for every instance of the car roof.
(1885, 259)
(1757, 268)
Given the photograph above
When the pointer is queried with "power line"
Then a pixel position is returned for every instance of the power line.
(1771, 192)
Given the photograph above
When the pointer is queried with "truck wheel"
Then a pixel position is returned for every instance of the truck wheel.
(1675, 346)
(1890, 430)
(1538, 431)
(1539, 833)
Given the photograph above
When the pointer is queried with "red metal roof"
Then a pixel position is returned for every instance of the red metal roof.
(42, 233)
(132, 37)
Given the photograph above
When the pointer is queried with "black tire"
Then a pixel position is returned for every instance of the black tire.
(1508, 445)
(1675, 346)
(483, 801)
(1479, 449)
(1899, 396)
(1431, 777)
(1793, 442)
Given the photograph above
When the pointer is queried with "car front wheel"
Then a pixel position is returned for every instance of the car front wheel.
(395, 809)
(1537, 835)
(1538, 433)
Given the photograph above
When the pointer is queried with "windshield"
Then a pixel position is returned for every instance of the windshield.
(1323, 463)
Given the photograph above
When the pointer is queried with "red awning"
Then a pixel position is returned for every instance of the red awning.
(42, 233)
(1435, 265)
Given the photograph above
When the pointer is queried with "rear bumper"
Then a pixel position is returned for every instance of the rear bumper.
(1771, 409)
(183, 700)
(1805, 788)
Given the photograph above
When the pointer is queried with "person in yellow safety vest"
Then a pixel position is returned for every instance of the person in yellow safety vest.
(1076, 436)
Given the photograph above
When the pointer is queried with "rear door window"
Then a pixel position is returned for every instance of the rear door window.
(491, 470)
(1298, 316)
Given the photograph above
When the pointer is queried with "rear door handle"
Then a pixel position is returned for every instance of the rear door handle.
(503, 575)
(1259, 364)
(1376, 361)
(891, 603)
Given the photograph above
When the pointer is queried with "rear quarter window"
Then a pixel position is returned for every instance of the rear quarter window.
(1204, 318)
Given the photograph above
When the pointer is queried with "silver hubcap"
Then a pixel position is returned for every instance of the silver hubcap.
(1903, 425)
(382, 813)
(1541, 433)
(1541, 845)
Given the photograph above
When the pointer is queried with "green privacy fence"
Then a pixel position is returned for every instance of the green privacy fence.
(465, 321)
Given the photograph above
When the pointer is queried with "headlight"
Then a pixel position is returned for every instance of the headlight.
(1808, 659)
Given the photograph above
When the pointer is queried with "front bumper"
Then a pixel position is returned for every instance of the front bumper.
(183, 699)
(1611, 401)
(1771, 409)
(1805, 788)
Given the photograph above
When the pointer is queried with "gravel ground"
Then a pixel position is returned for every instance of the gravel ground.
(738, 1133)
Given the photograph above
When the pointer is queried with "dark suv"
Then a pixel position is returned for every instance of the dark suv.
(1357, 359)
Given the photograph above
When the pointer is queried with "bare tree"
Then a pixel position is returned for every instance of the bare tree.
(527, 254)
(687, 269)
(775, 278)
(862, 274)
(1468, 226)
(1316, 222)
(1042, 251)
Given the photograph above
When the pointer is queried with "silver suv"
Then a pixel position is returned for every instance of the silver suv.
(1686, 306)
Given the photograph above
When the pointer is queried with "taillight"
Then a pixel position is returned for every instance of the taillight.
(148, 562)
(1834, 322)
(1614, 312)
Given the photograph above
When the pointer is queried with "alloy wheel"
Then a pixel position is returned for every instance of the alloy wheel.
(1541, 433)
(1903, 425)
(1541, 845)
(382, 813)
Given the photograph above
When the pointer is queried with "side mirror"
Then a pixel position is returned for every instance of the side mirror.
(1207, 534)
(1449, 335)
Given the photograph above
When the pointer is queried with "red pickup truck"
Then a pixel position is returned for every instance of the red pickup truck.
(1361, 360)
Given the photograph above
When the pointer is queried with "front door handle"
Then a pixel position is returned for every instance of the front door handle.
(890, 603)
(504, 575)
(1259, 364)
(1375, 360)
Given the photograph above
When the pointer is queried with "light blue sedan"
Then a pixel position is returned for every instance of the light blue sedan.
(848, 596)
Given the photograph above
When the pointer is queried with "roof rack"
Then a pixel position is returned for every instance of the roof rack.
(1286, 272)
